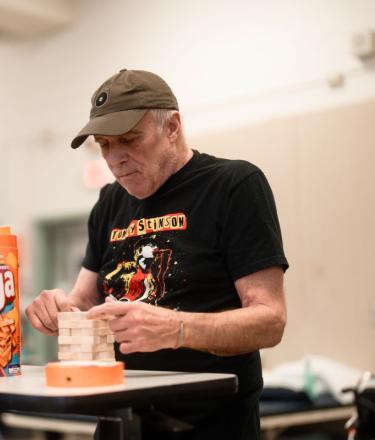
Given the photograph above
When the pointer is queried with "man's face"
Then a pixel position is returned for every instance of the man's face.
(140, 159)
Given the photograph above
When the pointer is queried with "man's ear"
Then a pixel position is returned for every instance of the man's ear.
(173, 126)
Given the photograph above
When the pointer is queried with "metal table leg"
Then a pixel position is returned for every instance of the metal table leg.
(121, 425)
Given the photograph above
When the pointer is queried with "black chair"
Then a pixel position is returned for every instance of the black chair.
(362, 426)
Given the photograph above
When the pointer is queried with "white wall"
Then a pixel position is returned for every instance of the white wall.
(320, 166)
(229, 63)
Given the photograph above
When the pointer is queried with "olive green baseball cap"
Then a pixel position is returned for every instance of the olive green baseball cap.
(121, 101)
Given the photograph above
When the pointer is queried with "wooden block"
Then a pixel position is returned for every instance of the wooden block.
(84, 323)
(85, 348)
(101, 355)
(64, 332)
(83, 339)
(100, 331)
(65, 348)
(75, 316)
(104, 355)
(67, 316)
(65, 356)
(84, 357)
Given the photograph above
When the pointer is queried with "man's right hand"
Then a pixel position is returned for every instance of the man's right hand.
(42, 312)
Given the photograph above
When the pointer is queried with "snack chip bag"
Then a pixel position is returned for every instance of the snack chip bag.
(10, 340)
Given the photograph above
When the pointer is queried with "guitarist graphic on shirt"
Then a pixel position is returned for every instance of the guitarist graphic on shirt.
(141, 279)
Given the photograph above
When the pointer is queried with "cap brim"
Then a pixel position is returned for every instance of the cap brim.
(111, 124)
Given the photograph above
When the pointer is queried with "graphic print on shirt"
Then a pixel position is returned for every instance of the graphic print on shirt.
(140, 274)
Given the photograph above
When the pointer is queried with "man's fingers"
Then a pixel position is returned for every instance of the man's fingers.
(48, 317)
(109, 308)
(42, 312)
(38, 324)
(127, 348)
(121, 336)
(56, 301)
(50, 308)
(62, 303)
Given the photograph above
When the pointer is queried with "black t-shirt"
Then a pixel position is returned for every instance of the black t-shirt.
(212, 222)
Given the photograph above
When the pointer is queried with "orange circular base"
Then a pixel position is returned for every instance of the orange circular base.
(84, 374)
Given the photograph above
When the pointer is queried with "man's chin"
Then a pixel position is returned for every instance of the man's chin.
(135, 191)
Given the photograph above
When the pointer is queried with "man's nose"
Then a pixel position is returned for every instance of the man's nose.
(115, 153)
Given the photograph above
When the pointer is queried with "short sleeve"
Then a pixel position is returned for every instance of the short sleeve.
(93, 255)
(91, 259)
(251, 236)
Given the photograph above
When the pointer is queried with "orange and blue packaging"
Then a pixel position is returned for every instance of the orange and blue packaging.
(10, 337)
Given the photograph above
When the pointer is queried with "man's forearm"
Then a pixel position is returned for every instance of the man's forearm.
(82, 300)
(84, 294)
(233, 332)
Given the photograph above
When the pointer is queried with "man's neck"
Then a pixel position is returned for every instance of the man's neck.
(183, 157)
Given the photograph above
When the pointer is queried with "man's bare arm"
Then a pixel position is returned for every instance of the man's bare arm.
(84, 294)
(258, 324)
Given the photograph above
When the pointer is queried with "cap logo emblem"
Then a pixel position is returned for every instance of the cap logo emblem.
(101, 99)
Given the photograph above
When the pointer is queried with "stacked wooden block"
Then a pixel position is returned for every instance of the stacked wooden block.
(82, 339)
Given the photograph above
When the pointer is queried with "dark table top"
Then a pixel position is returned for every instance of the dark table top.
(28, 392)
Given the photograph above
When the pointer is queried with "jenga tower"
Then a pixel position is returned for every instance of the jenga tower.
(82, 339)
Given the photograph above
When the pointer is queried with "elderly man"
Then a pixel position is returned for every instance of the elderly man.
(191, 247)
